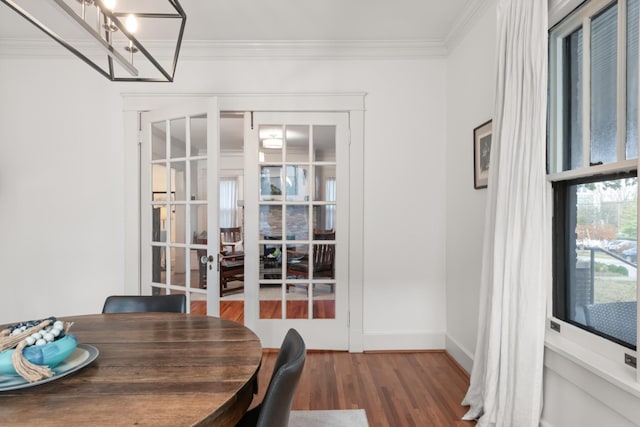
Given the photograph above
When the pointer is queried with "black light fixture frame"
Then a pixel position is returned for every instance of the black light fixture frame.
(168, 75)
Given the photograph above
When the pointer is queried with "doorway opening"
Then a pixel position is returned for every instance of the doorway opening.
(231, 216)
(230, 257)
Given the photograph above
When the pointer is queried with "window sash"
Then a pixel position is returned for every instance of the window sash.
(565, 219)
(581, 19)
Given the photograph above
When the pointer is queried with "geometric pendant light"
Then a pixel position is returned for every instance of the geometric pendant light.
(124, 40)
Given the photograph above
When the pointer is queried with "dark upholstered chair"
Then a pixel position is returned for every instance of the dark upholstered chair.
(140, 304)
(617, 319)
(275, 408)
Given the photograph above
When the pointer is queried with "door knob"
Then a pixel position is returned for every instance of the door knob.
(204, 259)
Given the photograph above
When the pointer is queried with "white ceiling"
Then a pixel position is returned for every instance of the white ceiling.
(300, 20)
(254, 21)
(321, 19)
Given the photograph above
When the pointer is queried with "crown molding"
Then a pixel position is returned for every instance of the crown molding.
(558, 9)
(253, 49)
(465, 21)
(314, 49)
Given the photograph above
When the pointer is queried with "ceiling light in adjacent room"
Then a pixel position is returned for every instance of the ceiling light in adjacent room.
(273, 143)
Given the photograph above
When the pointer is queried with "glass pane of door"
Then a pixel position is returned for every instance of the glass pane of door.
(297, 209)
(175, 151)
(297, 183)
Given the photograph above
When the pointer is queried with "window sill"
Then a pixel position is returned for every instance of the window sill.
(624, 377)
(609, 382)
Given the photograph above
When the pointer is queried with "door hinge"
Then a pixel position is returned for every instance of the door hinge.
(139, 127)
(348, 319)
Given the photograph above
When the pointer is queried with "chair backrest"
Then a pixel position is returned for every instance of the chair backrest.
(324, 254)
(140, 304)
(276, 405)
(617, 319)
(230, 239)
(319, 234)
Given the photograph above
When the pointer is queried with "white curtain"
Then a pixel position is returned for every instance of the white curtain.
(506, 380)
(228, 202)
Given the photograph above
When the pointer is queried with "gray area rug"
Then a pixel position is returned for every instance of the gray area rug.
(333, 418)
(234, 292)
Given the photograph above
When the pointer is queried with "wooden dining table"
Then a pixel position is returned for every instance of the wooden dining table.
(153, 369)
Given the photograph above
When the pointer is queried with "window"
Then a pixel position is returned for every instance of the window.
(228, 202)
(593, 149)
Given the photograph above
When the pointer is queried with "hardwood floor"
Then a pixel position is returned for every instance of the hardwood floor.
(234, 310)
(198, 307)
(396, 389)
(230, 310)
(322, 309)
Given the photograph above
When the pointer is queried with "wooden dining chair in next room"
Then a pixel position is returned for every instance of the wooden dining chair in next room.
(275, 408)
(141, 304)
(323, 259)
(231, 258)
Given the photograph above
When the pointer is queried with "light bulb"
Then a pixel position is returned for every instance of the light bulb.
(109, 4)
(131, 23)
(109, 26)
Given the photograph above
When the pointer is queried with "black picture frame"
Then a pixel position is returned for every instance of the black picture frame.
(482, 136)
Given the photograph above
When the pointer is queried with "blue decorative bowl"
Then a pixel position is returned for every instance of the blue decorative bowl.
(50, 354)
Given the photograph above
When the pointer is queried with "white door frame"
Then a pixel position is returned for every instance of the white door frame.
(352, 103)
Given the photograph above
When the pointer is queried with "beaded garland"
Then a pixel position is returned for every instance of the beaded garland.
(30, 333)
(54, 331)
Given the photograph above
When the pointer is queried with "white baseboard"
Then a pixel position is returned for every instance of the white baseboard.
(403, 341)
(459, 353)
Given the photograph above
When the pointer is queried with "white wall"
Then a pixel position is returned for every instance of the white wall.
(470, 88)
(569, 405)
(61, 182)
(61, 190)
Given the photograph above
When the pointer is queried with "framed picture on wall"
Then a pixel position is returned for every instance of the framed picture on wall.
(481, 154)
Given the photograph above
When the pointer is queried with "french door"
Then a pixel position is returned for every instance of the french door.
(296, 207)
(178, 183)
(296, 218)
